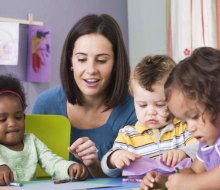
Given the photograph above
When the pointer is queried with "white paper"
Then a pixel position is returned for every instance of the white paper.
(9, 42)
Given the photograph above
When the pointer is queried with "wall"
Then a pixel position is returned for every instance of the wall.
(60, 15)
(147, 28)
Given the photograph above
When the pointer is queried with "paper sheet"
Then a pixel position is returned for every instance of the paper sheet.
(145, 164)
(9, 41)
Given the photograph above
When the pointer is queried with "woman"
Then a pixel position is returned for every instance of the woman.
(94, 93)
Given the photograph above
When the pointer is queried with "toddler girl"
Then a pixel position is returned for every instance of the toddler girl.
(193, 95)
(20, 153)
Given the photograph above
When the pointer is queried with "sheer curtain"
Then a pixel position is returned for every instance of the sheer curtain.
(192, 24)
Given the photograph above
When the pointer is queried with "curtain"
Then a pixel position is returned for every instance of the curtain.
(192, 24)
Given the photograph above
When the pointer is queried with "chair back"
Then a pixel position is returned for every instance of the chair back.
(54, 131)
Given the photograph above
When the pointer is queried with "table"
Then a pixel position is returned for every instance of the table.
(117, 181)
(48, 185)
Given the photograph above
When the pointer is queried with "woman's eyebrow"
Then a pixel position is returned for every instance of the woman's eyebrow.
(80, 53)
(100, 54)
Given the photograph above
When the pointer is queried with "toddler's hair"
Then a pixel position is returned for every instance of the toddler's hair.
(10, 85)
(198, 78)
(151, 70)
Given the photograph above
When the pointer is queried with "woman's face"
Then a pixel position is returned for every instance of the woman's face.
(92, 64)
(198, 121)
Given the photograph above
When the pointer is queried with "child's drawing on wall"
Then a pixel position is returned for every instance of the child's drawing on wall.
(9, 39)
(39, 56)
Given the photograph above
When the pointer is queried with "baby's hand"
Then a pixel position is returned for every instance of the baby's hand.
(6, 175)
(153, 180)
(173, 157)
(78, 171)
(122, 158)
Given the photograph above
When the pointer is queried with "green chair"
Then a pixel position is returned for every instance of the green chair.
(54, 131)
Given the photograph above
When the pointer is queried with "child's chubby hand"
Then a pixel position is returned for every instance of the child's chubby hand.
(173, 157)
(153, 180)
(6, 175)
(122, 158)
(78, 171)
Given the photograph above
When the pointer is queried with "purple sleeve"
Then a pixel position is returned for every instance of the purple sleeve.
(199, 153)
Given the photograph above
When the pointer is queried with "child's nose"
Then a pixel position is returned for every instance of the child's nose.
(11, 122)
(191, 126)
(151, 111)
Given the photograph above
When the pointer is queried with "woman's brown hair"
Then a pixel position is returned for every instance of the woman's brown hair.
(109, 28)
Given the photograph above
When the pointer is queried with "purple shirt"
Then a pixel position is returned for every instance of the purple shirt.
(209, 155)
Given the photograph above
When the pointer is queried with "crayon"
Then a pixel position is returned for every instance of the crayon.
(15, 184)
(131, 179)
(58, 181)
(177, 170)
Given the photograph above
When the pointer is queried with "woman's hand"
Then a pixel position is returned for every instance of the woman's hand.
(84, 149)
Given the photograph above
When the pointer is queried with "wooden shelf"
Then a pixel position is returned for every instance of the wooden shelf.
(20, 21)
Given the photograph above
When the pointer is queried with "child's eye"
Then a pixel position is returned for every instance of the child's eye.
(3, 119)
(19, 116)
(195, 117)
(161, 105)
(143, 105)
